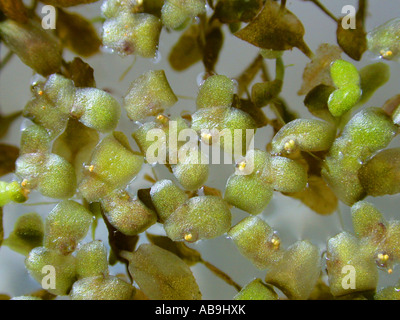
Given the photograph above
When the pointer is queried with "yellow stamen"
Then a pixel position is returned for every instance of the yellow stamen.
(289, 145)
(188, 236)
(241, 165)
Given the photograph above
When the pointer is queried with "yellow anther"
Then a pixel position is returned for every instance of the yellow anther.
(43, 107)
(241, 165)
(386, 53)
(40, 93)
(383, 257)
(24, 183)
(206, 137)
(90, 168)
(276, 242)
(289, 145)
(188, 236)
(163, 119)
(390, 271)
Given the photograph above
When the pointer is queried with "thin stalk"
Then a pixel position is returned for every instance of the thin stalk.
(6, 59)
(325, 10)
(222, 275)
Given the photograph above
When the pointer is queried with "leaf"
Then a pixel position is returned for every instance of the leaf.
(250, 108)
(77, 33)
(228, 11)
(8, 156)
(6, 121)
(43, 294)
(316, 102)
(144, 196)
(275, 28)
(4, 296)
(262, 93)
(372, 77)
(189, 255)
(67, 3)
(391, 104)
(81, 73)
(187, 51)
(353, 41)
(15, 10)
(212, 48)
(317, 196)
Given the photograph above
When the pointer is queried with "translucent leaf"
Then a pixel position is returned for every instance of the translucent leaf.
(77, 33)
(275, 28)
(383, 40)
(373, 77)
(14, 9)
(187, 51)
(256, 290)
(317, 196)
(80, 72)
(317, 71)
(189, 255)
(27, 234)
(262, 93)
(162, 275)
(8, 155)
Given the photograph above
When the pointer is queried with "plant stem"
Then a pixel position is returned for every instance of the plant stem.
(324, 9)
(6, 59)
(222, 275)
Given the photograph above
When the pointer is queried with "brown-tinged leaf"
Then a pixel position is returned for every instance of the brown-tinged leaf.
(43, 294)
(275, 28)
(316, 102)
(212, 48)
(8, 156)
(248, 75)
(67, 3)
(263, 92)
(15, 10)
(321, 291)
(81, 73)
(187, 51)
(354, 41)
(391, 104)
(317, 196)
(189, 255)
(250, 108)
(153, 7)
(6, 121)
(228, 11)
(77, 33)
(317, 71)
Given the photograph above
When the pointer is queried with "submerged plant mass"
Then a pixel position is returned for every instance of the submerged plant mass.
(76, 154)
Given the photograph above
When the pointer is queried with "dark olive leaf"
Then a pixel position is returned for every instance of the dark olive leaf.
(275, 28)
(144, 196)
(228, 11)
(67, 3)
(373, 76)
(4, 296)
(317, 196)
(15, 10)
(80, 72)
(43, 294)
(248, 75)
(321, 291)
(8, 156)
(262, 93)
(77, 33)
(189, 255)
(6, 121)
(212, 48)
(153, 7)
(250, 108)
(187, 51)
(118, 243)
(316, 102)
(353, 41)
